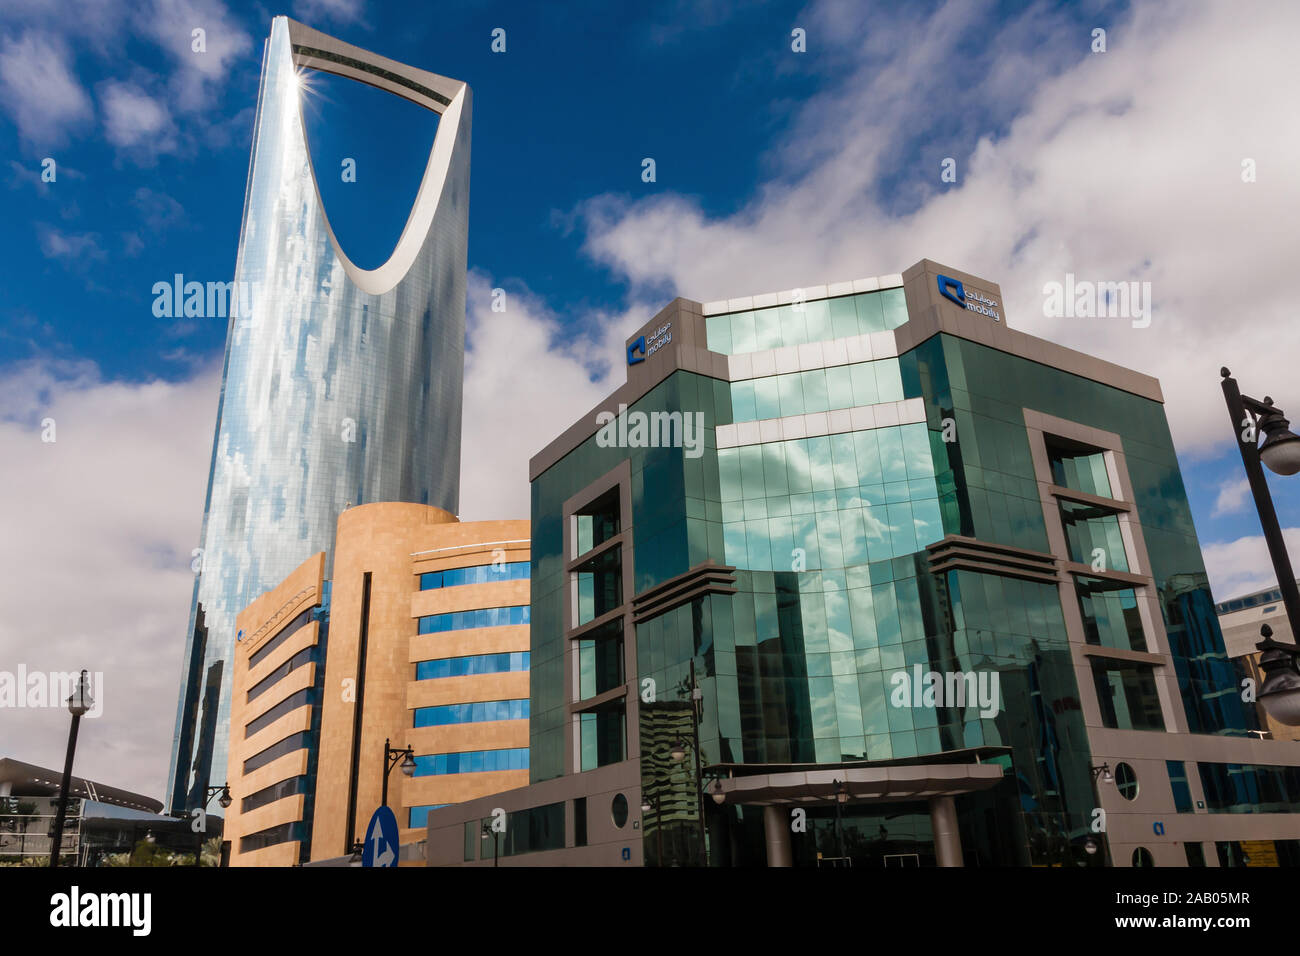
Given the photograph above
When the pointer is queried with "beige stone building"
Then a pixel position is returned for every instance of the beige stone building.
(419, 639)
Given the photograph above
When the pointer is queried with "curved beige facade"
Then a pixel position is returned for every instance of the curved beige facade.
(369, 693)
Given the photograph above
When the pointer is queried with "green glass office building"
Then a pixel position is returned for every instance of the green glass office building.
(857, 575)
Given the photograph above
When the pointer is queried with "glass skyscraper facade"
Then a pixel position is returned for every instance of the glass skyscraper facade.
(341, 386)
(888, 483)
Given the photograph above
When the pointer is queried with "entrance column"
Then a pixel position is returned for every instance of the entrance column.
(776, 827)
(947, 841)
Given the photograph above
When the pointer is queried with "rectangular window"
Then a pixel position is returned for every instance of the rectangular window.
(473, 834)
(602, 734)
(304, 656)
(419, 816)
(474, 664)
(277, 791)
(474, 761)
(600, 660)
(1093, 537)
(478, 574)
(1178, 784)
(482, 617)
(1078, 466)
(288, 745)
(302, 620)
(471, 713)
(1110, 614)
(597, 523)
(1247, 788)
(1127, 695)
(600, 586)
(580, 821)
(304, 698)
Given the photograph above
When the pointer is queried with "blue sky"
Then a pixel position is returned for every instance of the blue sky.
(775, 169)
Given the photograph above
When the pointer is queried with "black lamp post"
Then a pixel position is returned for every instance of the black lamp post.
(78, 704)
(1280, 452)
(224, 803)
(649, 803)
(841, 798)
(678, 754)
(1091, 845)
(391, 757)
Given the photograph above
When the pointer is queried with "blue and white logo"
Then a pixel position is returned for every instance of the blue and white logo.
(382, 847)
(952, 290)
(636, 347)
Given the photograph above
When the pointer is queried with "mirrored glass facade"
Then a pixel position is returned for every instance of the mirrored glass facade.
(340, 387)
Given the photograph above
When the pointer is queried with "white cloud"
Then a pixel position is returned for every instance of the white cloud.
(39, 89)
(528, 376)
(98, 571)
(1244, 566)
(171, 24)
(1233, 495)
(317, 12)
(1118, 166)
(136, 121)
(74, 248)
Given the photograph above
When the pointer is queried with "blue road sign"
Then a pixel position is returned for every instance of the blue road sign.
(381, 847)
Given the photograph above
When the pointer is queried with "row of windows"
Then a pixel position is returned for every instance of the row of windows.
(482, 617)
(817, 390)
(475, 664)
(478, 574)
(304, 656)
(302, 698)
(474, 761)
(276, 791)
(471, 713)
(302, 620)
(288, 745)
(798, 323)
(284, 833)
(526, 831)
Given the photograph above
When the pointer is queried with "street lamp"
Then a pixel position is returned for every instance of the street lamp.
(841, 798)
(78, 704)
(1104, 772)
(1280, 453)
(392, 755)
(224, 803)
(649, 803)
(488, 831)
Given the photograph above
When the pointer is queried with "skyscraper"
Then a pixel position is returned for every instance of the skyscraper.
(341, 385)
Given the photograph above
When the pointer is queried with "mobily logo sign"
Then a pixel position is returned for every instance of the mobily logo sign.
(74, 908)
(952, 290)
(647, 345)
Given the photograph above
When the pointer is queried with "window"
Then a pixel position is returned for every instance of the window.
(1110, 614)
(1078, 466)
(1126, 781)
(474, 664)
(1142, 857)
(288, 745)
(472, 837)
(304, 698)
(304, 656)
(600, 586)
(474, 761)
(1093, 536)
(580, 821)
(277, 791)
(302, 620)
(596, 523)
(478, 574)
(471, 713)
(618, 809)
(1178, 784)
(602, 736)
(818, 320)
(1246, 788)
(1195, 854)
(284, 833)
(529, 831)
(600, 660)
(464, 620)
(1127, 695)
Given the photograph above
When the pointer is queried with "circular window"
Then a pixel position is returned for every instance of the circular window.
(1126, 781)
(619, 809)
(1142, 857)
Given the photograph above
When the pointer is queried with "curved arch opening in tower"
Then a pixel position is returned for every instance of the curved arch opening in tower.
(369, 150)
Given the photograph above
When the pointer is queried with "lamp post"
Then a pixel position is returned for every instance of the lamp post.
(678, 754)
(1280, 452)
(78, 704)
(649, 803)
(391, 757)
(1091, 845)
(224, 803)
(488, 831)
(841, 798)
